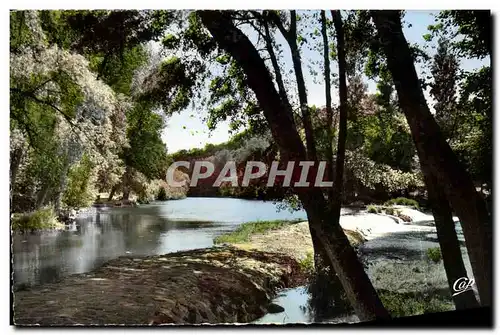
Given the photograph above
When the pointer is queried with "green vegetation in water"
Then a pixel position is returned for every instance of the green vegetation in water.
(245, 230)
(390, 211)
(434, 254)
(44, 218)
(373, 209)
(408, 304)
(402, 202)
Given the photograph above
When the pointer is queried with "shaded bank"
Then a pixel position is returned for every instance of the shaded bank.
(218, 285)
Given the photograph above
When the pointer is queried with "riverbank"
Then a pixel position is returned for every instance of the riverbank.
(216, 285)
(290, 238)
(395, 256)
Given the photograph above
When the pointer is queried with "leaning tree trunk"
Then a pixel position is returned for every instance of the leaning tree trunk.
(449, 244)
(341, 256)
(325, 287)
(112, 192)
(434, 151)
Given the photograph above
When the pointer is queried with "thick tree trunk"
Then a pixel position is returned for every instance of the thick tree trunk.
(112, 192)
(434, 151)
(449, 244)
(341, 256)
(126, 193)
(127, 176)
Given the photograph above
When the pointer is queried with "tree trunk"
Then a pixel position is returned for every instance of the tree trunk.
(341, 255)
(328, 95)
(112, 192)
(339, 168)
(291, 38)
(63, 182)
(434, 151)
(449, 244)
(126, 193)
(42, 195)
(276, 67)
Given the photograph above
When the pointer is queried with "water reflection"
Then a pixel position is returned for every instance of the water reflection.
(147, 230)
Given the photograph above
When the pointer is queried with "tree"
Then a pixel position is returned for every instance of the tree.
(341, 255)
(434, 152)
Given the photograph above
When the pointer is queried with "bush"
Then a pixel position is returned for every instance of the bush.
(402, 202)
(390, 211)
(162, 194)
(434, 254)
(307, 264)
(44, 218)
(372, 209)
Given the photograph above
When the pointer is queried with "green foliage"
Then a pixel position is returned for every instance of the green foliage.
(390, 211)
(373, 209)
(43, 218)
(408, 304)
(402, 202)
(79, 191)
(307, 264)
(162, 194)
(245, 230)
(434, 254)
(147, 152)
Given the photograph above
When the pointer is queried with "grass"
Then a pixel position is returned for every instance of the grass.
(44, 218)
(245, 230)
(410, 276)
(413, 303)
(434, 254)
(403, 202)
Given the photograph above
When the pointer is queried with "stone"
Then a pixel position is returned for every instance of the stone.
(274, 308)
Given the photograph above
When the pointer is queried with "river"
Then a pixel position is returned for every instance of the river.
(191, 223)
(153, 229)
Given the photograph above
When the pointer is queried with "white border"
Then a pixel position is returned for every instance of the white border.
(185, 4)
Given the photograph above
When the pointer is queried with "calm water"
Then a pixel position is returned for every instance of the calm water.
(154, 229)
(191, 223)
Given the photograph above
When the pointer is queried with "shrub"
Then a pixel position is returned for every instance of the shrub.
(162, 194)
(408, 304)
(307, 264)
(403, 202)
(434, 254)
(390, 211)
(44, 218)
(372, 209)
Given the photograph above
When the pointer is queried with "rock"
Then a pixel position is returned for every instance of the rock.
(274, 308)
